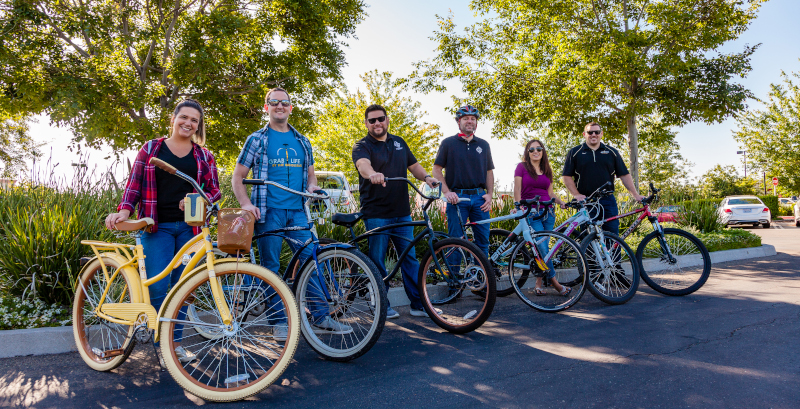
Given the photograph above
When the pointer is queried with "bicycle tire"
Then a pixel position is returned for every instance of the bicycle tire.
(668, 281)
(444, 300)
(243, 340)
(622, 280)
(294, 265)
(570, 268)
(116, 339)
(360, 303)
(496, 238)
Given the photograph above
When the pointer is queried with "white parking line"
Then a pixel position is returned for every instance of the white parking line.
(776, 226)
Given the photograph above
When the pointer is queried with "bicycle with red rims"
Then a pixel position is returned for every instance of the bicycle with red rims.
(671, 261)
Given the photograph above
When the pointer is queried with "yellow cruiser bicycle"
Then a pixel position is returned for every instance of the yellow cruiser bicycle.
(236, 301)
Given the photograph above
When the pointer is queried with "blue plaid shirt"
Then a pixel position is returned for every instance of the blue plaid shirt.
(254, 156)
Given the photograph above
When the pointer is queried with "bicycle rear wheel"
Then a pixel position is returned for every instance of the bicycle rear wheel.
(612, 281)
(463, 266)
(346, 292)
(243, 358)
(683, 273)
(103, 345)
(567, 261)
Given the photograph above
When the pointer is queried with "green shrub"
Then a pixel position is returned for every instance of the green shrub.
(16, 313)
(701, 214)
(41, 228)
(772, 203)
(784, 211)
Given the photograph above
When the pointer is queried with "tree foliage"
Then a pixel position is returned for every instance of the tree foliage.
(723, 181)
(770, 134)
(16, 145)
(340, 124)
(112, 71)
(560, 64)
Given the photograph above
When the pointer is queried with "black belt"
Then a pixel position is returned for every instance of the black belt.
(474, 191)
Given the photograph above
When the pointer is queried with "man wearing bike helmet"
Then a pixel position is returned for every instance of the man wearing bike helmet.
(468, 173)
(278, 153)
(382, 155)
(590, 165)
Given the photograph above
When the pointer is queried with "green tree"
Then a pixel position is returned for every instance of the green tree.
(112, 71)
(16, 145)
(661, 159)
(560, 64)
(340, 124)
(723, 181)
(770, 134)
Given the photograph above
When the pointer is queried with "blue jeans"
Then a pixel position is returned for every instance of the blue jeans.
(159, 249)
(470, 211)
(269, 248)
(379, 243)
(609, 204)
(545, 223)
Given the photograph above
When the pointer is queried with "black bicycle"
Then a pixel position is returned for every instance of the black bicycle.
(448, 267)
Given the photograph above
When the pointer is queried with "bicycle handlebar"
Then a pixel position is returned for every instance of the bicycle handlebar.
(260, 182)
(529, 204)
(166, 167)
(438, 184)
(653, 195)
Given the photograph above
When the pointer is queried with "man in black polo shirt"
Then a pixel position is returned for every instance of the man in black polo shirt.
(467, 162)
(590, 165)
(382, 155)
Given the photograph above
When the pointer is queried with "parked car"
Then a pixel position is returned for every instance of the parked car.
(797, 213)
(735, 210)
(336, 185)
(668, 213)
(785, 201)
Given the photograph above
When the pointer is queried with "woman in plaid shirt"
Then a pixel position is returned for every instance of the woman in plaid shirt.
(159, 195)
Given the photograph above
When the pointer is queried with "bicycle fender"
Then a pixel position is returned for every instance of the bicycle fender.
(133, 274)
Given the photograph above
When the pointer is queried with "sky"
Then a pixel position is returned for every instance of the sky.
(395, 34)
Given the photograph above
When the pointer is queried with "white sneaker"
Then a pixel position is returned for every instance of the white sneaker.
(280, 332)
(185, 356)
(392, 314)
(331, 326)
(422, 313)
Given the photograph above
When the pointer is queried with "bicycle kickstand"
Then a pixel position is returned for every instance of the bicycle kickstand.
(158, 355)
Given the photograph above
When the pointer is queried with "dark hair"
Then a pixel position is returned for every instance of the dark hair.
(544, 164)
(591, 124)
(373, 107)
(199, 136)
(274, 90)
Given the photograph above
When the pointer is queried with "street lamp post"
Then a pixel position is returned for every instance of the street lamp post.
(744, 155)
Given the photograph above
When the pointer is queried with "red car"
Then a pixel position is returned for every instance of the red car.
(668, 213)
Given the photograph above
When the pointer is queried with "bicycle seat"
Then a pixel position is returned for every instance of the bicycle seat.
(346, 219)
(133, 225)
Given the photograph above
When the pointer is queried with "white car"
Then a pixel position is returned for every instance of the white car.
(797, 213)
(785, 201)
(335, 184)
(744, 210)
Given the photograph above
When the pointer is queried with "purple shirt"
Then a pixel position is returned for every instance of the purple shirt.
(531, 187)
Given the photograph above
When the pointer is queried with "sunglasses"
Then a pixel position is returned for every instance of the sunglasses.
(593, 132)
(275, 102)
(378, 119)
(535, 149)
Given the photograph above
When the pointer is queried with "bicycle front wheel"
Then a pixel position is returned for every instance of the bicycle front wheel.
(612, 266)
(456, 265)
(678, 265)
(568, 268)
(240, 359)
(499, 256)
(342, 302)
(103, 345)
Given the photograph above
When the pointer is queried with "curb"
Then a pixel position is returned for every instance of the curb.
(36, 341)
(58, 340)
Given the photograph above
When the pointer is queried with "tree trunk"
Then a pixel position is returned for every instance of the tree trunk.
(633, 145)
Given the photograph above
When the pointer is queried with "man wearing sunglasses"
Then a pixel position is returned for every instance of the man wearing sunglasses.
(468, 173)
(590, 165)
(382, 155)
(280, 154)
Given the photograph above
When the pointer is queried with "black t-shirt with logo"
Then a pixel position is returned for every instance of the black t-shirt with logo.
(392, 158)
(465, 163)
(593, 168)
(170, 189)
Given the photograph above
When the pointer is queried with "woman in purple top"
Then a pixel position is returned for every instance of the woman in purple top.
(533, 177)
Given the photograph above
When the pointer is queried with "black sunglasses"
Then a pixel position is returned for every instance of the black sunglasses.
(593, 132)
(535, 149)
(275, 102)
(378, 119)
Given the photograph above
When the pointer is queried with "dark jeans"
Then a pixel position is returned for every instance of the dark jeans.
(470, 211)
(609, 204)
(379, 243)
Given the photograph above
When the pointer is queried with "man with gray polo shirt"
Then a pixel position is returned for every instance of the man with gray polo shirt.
(468, 173)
